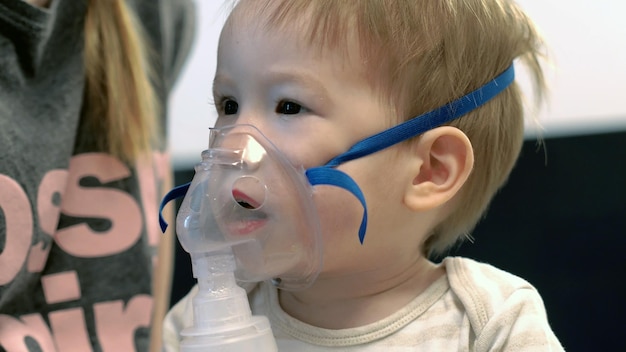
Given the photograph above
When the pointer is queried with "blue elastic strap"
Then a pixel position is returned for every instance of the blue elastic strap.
(175, 193)
(427, 121)
(326, 175)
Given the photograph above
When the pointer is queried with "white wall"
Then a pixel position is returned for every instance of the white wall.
(588, 80)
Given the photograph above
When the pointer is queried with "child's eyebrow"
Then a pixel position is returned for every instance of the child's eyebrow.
(274, 77)
(298, 77)
(220, 81)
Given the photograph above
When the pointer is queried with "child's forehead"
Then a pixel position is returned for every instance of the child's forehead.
(299, 21)
(275, 30)
(281, 48)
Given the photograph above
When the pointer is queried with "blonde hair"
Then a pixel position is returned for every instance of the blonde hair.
(120, 107)
(422, 54)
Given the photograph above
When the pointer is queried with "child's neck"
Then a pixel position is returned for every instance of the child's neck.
(352, 301)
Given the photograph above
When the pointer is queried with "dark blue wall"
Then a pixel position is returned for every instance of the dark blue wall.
(560, 223)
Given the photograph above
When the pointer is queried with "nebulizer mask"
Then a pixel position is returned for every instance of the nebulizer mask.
(248, 216)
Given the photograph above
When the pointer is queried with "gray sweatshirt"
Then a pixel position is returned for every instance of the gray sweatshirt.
(78, 227)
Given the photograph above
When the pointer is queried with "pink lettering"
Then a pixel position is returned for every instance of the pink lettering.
(116, 326)
(70, 332)
(53, 183)
(61, 287)
(117, 206)
(37, 257)
(13, 333)
(19, 227)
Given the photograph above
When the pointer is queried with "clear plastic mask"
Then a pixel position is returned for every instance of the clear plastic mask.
(247, 196)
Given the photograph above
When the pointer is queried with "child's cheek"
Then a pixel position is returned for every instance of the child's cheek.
(340, 215)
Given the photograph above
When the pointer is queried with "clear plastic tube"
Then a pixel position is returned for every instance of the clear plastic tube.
(222, 317)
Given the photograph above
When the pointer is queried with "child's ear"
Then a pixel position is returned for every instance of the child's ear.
(443, 159)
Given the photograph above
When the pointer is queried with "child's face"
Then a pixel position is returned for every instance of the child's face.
(313, 106)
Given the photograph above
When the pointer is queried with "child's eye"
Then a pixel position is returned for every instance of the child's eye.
(230, 107)
(287, 107)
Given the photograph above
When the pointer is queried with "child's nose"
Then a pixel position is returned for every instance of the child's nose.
(249, 117)
(240, 142)
(252, 117)
(237, 133)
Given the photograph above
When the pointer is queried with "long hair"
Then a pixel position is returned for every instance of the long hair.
(120, 107)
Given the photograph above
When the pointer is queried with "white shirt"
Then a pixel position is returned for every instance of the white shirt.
(474, 307)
